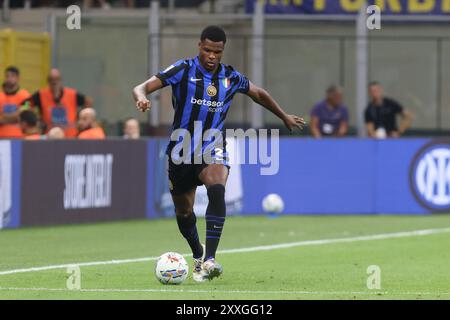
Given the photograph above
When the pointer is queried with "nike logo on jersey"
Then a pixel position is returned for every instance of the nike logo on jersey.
(195, 80)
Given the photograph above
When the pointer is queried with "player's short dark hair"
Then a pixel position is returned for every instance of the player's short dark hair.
(214, 33)
(374, 83)
(13, 70)
(29, 117)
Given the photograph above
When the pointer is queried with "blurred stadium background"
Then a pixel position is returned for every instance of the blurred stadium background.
(296, 58)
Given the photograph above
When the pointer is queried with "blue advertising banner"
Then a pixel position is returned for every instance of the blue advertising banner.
(327, 176)
(318, 177)
(354, 176)
(333, 176)
(10, 179)
(398, 7)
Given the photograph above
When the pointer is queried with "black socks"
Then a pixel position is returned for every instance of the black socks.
(215, 219)
(188, 228)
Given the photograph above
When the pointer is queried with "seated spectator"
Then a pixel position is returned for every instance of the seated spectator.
(131, 129)
(29, 124)
(55, 133)
(59, 105)
(381, 115)
(88, 126)
(10, 101)
(330, 117)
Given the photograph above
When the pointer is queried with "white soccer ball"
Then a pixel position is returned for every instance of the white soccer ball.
(273, 203)
(171, 268)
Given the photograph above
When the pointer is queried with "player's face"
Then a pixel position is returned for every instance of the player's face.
(210, 54)
(11, 79)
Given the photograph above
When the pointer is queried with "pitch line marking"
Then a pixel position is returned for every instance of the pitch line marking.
(225, 291)
(305, 243)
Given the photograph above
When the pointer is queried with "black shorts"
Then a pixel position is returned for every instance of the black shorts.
(183, 177)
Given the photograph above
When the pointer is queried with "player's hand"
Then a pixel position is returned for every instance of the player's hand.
(143, 105)
(292, 121)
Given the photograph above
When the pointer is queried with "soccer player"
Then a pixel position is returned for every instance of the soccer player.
(203, 89)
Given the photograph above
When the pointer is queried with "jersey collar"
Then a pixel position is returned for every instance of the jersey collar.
(206, 72)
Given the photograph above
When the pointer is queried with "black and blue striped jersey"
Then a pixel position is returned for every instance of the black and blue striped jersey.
(199, 95)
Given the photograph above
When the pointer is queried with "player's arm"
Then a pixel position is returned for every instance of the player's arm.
(141, 91)
(263, 98)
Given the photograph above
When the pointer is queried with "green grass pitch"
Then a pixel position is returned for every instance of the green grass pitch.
(413, 266)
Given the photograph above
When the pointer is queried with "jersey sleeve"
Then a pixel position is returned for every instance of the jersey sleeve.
(243, 84)
(173, 74)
